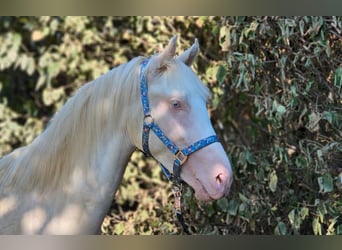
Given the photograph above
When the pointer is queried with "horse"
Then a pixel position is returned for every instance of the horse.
(65, 180)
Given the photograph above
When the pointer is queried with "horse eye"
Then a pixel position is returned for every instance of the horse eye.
(176, 105)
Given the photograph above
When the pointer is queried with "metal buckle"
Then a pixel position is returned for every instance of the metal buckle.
(177, 192)
(148, 119)
(181, 157)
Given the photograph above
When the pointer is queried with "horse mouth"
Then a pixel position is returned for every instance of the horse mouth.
(202, 194)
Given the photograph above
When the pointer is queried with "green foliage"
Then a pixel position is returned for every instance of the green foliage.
(283, 103)
(276, 105)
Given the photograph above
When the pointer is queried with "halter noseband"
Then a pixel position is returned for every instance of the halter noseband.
(180, 155)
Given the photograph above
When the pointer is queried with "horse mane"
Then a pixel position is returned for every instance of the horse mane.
(77, 126)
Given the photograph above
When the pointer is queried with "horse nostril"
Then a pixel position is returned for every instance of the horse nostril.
(219, 178)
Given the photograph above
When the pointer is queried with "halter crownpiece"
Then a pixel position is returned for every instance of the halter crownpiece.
(180, 155)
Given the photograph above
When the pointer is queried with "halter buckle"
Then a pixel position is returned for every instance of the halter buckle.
(148, 120)
(177, 192)
(181, 157)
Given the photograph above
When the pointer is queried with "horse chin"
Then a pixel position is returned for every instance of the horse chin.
(203, 196)
(201, 193)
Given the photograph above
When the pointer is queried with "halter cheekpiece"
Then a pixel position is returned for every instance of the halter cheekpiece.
(180, 155)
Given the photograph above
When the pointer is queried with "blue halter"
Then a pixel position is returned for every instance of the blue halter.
(181, 155)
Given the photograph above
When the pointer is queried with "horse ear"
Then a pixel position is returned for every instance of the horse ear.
(190, 54)
(169, 52)
(158, 61)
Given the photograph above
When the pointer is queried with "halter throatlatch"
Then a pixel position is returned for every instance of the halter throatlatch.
(180, 155)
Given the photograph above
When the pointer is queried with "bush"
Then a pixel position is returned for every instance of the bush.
(277, 95)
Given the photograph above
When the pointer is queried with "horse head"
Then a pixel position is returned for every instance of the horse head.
(176, 105)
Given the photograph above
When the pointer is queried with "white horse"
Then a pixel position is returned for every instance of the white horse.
(64, 181)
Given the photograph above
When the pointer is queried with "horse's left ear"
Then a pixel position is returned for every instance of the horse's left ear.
(190, 54)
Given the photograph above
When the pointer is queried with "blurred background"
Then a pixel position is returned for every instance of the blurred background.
(276, 105)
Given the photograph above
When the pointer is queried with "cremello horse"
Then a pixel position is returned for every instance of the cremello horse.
(64, 181)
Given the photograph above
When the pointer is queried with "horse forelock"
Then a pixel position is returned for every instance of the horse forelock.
(176, 75)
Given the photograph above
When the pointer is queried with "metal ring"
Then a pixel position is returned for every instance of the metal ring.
(148, 119)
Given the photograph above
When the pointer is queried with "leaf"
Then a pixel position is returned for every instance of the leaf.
(304, 212)
(143, 215)
(331, 229)
(325, 183)
(313, 124)
(316, 226)
(250, 158)
(338, 78)
(37, 35)
(328, 116)
(280, 229)
(233, 207)
(273, 181)
(243, 198)
(281, 109)
(119, 228)
(223, 204)
(224, 38)
(40, 83)
(210, 210)
(301, 27)
(30, 66)
(51, 96)
(339, 229)
(221, 74)
(292, 216)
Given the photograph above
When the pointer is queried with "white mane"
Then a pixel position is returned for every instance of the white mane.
(74, 130)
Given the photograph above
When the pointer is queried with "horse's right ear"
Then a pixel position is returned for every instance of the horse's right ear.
(157, 62)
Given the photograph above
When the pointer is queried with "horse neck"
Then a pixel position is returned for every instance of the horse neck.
(85, 144)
